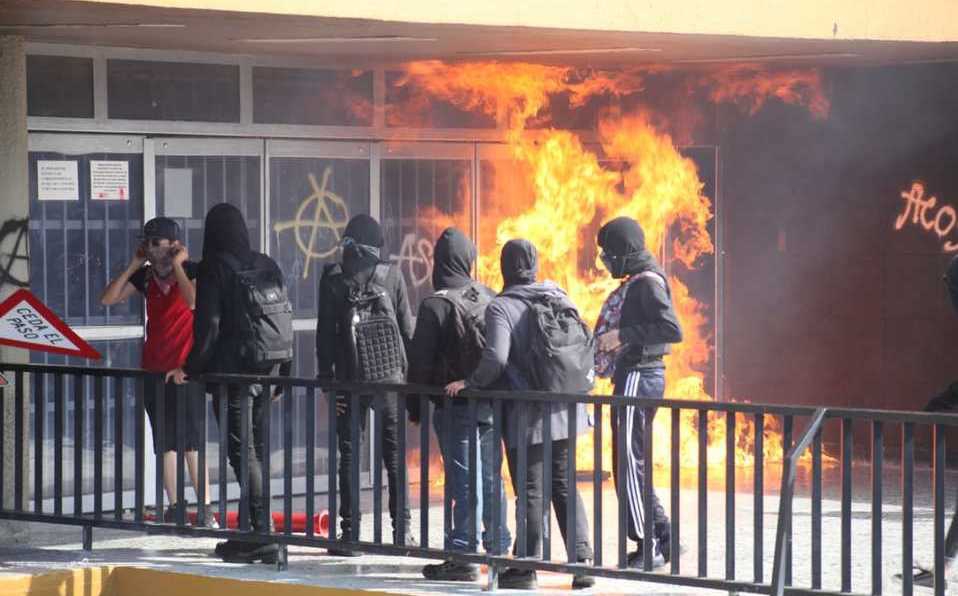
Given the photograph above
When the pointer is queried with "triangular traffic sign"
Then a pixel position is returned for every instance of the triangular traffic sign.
(27, 323)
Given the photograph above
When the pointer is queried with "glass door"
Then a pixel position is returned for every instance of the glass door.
(313, 188)
(86, 212)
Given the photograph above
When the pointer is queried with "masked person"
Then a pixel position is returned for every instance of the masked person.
(506, 364)
(636, 326)
(162, 273)
(362, 334)
(233, 283)
(447, 346)
(945, 402)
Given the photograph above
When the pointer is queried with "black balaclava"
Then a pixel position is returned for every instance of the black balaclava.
(623, 248)
(453, 258)
(362, 243)
(519, 262)
(226, 231)
(951, 282)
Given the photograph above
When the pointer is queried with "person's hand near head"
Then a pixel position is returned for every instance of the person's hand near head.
(138, 259)
(179, 253)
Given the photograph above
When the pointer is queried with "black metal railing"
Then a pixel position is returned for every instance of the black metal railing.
(48, 384)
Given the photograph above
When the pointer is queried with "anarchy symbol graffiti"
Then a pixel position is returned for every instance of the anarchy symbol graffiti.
(13, 250)
(318, 236)
(415, 258)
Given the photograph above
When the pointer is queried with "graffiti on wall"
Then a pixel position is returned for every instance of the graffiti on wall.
(415, 260)
(319, 222)
(921, 211)
(13, 251)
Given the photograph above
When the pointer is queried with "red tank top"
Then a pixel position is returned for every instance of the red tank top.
(169, 328)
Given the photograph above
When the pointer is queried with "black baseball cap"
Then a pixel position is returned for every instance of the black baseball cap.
(162, 227)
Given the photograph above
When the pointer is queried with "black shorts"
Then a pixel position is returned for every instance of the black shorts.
(194, 405)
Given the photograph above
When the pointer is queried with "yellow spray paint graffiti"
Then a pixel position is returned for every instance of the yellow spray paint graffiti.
(329, 213)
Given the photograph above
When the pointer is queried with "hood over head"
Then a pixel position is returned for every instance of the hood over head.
(453, 258)
(519, 262)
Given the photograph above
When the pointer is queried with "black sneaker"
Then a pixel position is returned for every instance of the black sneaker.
(518, 579)
(450, 571)
(251, 552)
(583, 582)
(227, 546)
(342, 552)
(636, 559)
(922, 578)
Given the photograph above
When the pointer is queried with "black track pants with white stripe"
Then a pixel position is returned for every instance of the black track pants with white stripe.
(631, 421)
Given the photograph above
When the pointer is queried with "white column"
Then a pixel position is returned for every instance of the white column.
(14, 211)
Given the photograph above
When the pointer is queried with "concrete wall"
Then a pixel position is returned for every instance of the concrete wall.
(890, 20)
(14, 209)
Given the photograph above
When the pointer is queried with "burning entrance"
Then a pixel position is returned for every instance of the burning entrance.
(555, 186)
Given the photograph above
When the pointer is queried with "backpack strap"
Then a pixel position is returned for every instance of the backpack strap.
(232, 262)
(332, 269)
(379, 274)
(656, 277)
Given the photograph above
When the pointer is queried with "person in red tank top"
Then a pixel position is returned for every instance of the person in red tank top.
(163, 274)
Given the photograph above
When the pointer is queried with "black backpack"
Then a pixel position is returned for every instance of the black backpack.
(562, 349)
(265, 317)
(466, 338)
(372, 332)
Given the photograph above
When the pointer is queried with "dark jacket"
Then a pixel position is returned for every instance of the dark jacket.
(215, 348)
(215, 319)
(648, 324)
(336, 282)
(505, 364)
(453, 258)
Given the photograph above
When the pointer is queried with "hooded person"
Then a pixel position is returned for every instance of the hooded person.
(945, 402)
(438, 355)
(218, 348)
(505, 364)
(636, 326)
(344, 289)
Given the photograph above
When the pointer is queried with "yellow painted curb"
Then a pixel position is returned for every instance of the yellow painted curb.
(133, 581)
(89, 581)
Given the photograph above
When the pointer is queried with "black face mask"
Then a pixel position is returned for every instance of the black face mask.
(616, 264)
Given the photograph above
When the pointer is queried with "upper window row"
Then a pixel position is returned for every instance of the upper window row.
(62, 86)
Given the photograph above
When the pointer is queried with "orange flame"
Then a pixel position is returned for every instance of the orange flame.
(556, 192)
(754, 86)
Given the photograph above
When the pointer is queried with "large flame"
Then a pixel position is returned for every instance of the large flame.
(556, 191)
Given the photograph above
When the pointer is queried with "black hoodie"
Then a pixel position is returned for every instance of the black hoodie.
(648, 323)
(357, 267)
(215, 348)
(453, 259)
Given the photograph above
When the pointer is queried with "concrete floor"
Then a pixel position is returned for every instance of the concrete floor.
(61, 548)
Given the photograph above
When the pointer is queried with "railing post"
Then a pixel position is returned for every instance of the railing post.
(785, 502)
(939, 511)
(907, 506)
(87, 538)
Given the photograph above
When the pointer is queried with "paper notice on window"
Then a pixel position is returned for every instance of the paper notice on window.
(57, 180)
(110, 180)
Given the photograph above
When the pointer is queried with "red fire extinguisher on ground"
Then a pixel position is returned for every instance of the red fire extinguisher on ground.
(298, 521)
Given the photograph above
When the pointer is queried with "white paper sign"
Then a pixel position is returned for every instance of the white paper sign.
(110, 180)
(57, 180)
(178, 192)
